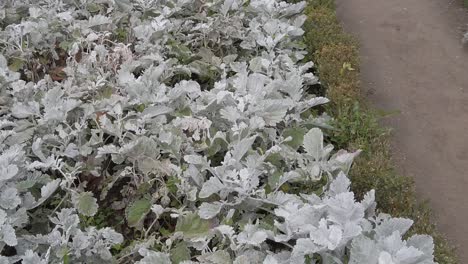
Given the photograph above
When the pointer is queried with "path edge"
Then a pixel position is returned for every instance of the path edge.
(357, 126)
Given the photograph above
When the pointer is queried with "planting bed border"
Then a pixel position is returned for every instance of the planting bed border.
(337, 64)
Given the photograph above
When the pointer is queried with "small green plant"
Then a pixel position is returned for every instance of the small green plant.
(356, 127)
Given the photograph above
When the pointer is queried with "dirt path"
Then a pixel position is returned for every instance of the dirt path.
(413, 61)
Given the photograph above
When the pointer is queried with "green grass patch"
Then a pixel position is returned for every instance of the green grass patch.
(357, 126)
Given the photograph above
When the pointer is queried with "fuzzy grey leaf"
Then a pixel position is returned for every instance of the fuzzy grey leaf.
(7, 172)
(209, 210)
(8, 235)
(388, 226)
(240, 148)
(212, 186)
(85, 203)
(313, 143)
(9, 198)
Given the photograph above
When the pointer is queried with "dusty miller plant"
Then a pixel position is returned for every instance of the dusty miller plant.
(192, 119)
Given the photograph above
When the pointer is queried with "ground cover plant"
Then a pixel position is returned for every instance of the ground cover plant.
(175, 132)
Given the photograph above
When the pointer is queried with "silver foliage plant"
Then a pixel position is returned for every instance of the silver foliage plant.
(193, 120)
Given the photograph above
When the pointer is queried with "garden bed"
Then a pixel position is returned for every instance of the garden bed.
(193, 132)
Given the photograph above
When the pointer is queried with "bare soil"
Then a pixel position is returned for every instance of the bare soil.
(413, 61)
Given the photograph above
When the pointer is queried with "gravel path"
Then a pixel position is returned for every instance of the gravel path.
(413, 61)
